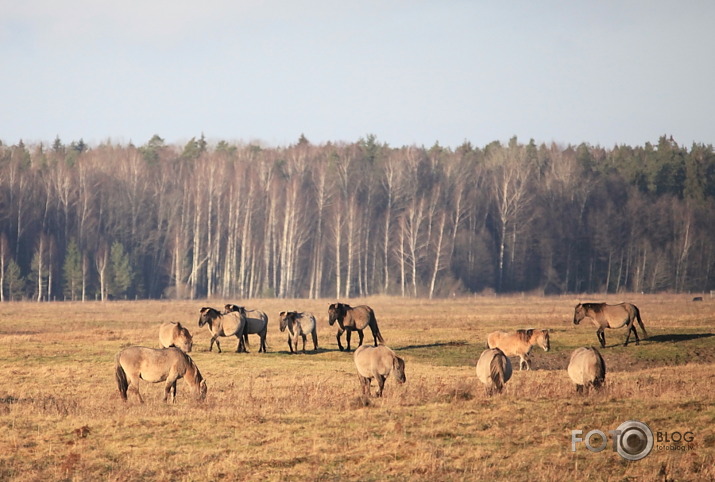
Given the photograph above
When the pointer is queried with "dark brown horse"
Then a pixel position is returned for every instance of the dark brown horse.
(610, 316)
(353, 319)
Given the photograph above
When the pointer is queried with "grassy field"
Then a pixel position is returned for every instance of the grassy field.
(278, 416)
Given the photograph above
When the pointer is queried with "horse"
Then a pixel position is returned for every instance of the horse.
(256, 323)
(298, 325)
(519, 344)
(610, 316)
(493, 370)
(353, 319)
(173, 334)
(377, 362)
(154, 366)
(229, 324)
(587, 369)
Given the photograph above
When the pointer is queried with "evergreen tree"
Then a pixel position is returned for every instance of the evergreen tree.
(14, 281)
(120, 271)
(73, 272)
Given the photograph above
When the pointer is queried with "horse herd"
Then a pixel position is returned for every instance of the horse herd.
(586, 366)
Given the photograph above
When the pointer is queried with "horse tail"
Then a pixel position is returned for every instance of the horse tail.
(640, 321)
(314, 334)
(497, 372)
(121, 377)
(375, 329)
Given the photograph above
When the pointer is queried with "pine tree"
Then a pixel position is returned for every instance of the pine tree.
(72, 270)
(14, 281)
(120, 271)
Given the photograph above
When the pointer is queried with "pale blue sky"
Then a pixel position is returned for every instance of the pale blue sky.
(409, 72)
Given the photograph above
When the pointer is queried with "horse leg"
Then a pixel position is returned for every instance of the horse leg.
(635, 333)
(304, 340)
(134, 387)
(629, 328)
(263, 343)
(365, 384)
(362, 336)
(315, 340)
(241, 347)
(170, 390)
(348, 334)
(601, 337)
(380, 385)
(340, 345)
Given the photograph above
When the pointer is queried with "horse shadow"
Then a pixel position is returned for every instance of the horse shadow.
(676, 337)
(308, 351)
(431, 345)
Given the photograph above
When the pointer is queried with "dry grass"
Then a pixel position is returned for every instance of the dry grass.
(278, 416)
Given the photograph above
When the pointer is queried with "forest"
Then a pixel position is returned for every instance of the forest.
(242, 220)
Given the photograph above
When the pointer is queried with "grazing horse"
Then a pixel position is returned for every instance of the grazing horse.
(353, 319)
(493, 370)
(299, 325)
(519, 344)
(587, 369)
(610, 316)
(256, 323)
(377, 362)
(154, 366)
(173, 334)
(229, 324)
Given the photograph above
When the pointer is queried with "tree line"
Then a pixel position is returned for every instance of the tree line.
(341, 220)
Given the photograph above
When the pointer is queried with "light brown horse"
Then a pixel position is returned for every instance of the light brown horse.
(519, 344)
(229, 324)
(493, 370)
(155, 366)
(610, 316)
(256, 323)
(377, 362)
(353, 319)
(299, 325)
(587, 369)
(173, 334)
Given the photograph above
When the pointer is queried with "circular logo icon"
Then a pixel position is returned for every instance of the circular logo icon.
(635, 440)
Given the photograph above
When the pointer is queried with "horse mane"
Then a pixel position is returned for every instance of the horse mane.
(595, 307)
(525, 335)
(190, 365)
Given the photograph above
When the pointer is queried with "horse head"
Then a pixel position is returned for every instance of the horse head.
(230, 307)
(202, 390)
(183, 338)
(579, 313)
(283, 317)
(398, 367)
(207, 315)
(544, 341)
(336, 312)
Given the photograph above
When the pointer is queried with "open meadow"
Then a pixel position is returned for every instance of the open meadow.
(277, 416)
